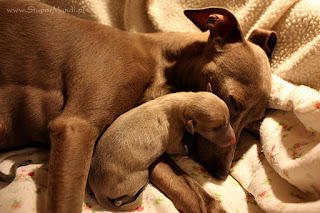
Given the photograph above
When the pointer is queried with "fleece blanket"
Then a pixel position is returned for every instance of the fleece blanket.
(278, 173)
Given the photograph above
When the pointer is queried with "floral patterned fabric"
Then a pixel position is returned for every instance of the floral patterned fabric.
(282, 170)
(28, 191)
(290, 139)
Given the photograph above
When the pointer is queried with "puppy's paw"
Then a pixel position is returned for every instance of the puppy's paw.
(124, 200)
(117, 202)
(179, 149)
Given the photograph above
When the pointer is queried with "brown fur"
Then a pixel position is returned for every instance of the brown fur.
(137, 138)
(64, 80)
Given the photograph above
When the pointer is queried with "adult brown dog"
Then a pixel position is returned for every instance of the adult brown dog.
(64, 80)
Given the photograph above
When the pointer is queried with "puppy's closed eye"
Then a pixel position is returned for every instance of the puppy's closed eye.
(224, 126)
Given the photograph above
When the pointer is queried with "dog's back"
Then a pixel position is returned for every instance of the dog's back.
(43, 65)
(32, 66)
(32, 40)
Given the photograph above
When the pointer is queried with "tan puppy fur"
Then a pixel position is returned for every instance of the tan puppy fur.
(119, 168)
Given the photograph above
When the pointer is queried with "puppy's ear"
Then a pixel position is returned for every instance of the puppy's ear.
(209, 87)
(222, 24)
(266, 39)
(189, 126)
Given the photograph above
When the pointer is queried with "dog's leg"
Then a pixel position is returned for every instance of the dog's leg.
(72, 143)
(185, 188)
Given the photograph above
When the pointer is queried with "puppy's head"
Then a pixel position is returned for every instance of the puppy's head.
(208, 116)
(239, 72)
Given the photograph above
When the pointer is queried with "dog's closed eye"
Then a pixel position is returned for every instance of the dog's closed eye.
(236, 106)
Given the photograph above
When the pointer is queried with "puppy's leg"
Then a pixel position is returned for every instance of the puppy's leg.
(186, 194)
(72, 143)
(178, 149)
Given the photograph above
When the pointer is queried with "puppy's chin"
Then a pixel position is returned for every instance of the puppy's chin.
(226, 143)
(223, 145)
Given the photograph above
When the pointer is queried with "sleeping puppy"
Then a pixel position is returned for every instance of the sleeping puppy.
(119, 168)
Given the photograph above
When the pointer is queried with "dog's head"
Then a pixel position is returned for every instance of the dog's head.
(240, 75)
(208, 116)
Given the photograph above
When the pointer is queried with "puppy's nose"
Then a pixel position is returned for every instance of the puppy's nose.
(230, 137)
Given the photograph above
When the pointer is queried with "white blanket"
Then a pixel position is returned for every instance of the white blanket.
(280, 173)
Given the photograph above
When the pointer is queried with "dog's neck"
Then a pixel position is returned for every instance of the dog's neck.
(177, 71)
(182, 55)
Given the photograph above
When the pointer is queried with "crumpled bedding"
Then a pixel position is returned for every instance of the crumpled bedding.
(278, 173)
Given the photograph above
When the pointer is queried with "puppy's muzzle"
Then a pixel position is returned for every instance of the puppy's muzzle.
(227, 137)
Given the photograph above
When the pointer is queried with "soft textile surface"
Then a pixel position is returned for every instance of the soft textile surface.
(279, 173)
(27, 193)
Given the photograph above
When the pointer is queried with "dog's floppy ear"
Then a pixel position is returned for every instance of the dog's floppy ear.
(222, 24)
(266, 39)
(190, 126)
